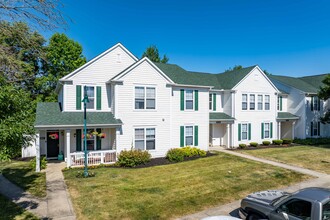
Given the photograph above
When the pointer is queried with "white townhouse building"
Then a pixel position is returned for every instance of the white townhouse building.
(135, 103)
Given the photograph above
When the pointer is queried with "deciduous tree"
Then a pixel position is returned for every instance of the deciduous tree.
(324, 93)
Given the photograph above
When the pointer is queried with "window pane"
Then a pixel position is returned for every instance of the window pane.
(259, 98)
(244, 98)
(151, 93)
(139, 103)
(244, 127)
(189, 104)
(189, 94)
(150, 145)
(139, 144)
(139, 133)
(210, 101)
(244, 105)
(266, 98)
(90, 144)
(90, 91)
(189, 130)
(151, 103)
(189, 140)
(266, 126)
(326, 211)
(139, 92)
(244, 135)
(266, 106)
(259, 106)
(150, 133)
(266, 134)
(90, 104)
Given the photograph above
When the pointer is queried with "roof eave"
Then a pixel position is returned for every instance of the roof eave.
(76, 126)
(190, 86)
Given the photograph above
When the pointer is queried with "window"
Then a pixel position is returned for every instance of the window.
(244, 101)
(315, 102)
(210, 101)
(145, 138)
(91, 97)
(266, 130)
(326, 211)
(298, 208)
(189, 99)
(244, 131)
(145, 97)
(315, 128)
(267, 100)
(189, 135)
(259, 102)
(252, 102)
(279, 100)
(90, 140)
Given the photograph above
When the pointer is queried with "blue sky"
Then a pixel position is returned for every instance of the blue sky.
(285, 37)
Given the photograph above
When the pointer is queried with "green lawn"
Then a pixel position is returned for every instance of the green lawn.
(170, 191)
(314, 158)
(10, 210)
(20, 173)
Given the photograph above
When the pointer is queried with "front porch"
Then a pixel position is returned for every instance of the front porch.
(220, 130)
(286, 125)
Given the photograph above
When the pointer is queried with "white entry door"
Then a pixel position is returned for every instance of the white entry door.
(216, 135)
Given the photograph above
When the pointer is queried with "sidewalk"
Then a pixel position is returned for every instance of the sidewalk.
(57, 204)
(321, 180)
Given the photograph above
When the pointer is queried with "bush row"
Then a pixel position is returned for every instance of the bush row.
(266, 143)
(133, 157)
(312, 141)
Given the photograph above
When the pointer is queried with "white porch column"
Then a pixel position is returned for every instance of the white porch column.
(293, 124)
(279, 130)
(38, 152)
(117, 138)
(228, 135)
(68, 147)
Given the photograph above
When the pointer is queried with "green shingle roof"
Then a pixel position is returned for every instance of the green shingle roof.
(226, 80)
(49, 114)
(220, 116)
(286, 115)
(308, 84)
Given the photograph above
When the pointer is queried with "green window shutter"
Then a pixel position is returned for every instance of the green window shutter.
(318, 128)
(271, 130)
(280, 103)
(196, 136)
(262, 130)
(214, 102)
(196, 100)
(181, 136)
(312, 103)
(182, 99)
(311, 129)
(78, 97)
(78, 140)
(98, 97)
(249, 131)
(98, 140)
(239, 132)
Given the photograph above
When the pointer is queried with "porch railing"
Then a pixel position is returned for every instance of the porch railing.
(93, 158)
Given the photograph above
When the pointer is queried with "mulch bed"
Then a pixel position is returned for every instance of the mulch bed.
(264, 147)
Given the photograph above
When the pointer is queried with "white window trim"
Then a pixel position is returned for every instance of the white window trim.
(145, 136)
(193, 100)
(193, 136)
(247, 131)
(145, 97)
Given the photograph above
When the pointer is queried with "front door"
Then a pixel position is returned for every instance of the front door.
(53, 147)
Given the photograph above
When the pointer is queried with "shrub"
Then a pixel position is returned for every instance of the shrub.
(254, 144)
(312, 141)
(175, 155)
(132, 158)
(43, 163)
(287, 141)
(193, 151)
(242, 146)
(266, 143)
(277, 142)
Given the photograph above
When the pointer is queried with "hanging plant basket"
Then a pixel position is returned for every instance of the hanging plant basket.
(101, 135)
(88, 136)
(54, 136)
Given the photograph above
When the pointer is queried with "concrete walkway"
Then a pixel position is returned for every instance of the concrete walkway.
(57, 204)
(321, 180)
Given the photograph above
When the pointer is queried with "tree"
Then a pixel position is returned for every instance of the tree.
(153, 54)
(63, 56)
(42, 13)
(16, 119)
(236, 67)
(324, 93)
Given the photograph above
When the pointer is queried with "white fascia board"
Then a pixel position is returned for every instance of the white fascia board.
(144, 59)
(190, 86)
(38, 127)
(98, 57)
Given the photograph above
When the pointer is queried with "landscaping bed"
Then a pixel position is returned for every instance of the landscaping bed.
(264, 147)
(174, 190)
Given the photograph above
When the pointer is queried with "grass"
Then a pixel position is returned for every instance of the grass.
(166, 192)
(21, 174)
(314, 158)
(10, 210)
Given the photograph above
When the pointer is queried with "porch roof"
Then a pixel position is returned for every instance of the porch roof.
(49, 115)
(220, 116)
(286, 116)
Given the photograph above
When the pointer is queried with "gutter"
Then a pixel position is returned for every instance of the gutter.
(76, 126)
(184, 85)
